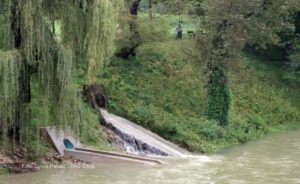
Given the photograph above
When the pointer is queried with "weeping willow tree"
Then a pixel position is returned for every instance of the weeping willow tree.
(31, 48)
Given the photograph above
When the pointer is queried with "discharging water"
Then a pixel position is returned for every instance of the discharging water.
(274, 160)
(138, 140)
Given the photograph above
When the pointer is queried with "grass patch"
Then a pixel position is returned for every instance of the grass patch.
(163, 89)
(4, 171)
(163, 27)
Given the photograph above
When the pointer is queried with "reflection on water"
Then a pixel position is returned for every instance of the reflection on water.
(274, 160)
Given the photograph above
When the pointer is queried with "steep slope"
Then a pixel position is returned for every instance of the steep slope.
(163, 89)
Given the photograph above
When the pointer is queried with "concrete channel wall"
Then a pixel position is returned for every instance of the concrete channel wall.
(95, 156)
(57, 137)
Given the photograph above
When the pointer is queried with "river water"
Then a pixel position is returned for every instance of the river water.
(273, 160)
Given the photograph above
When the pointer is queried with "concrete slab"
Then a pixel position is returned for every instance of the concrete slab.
(57, 136)
(101, 157)
(143, 135)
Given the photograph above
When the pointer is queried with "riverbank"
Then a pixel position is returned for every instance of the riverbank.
(16, 162)
(163, 89)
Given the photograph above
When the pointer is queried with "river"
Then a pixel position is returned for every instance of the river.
(272, 160)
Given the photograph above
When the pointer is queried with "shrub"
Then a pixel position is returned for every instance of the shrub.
(211, 130)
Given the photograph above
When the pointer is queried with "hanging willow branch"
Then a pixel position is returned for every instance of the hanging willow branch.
(30, 49)
(100, 37)
(10, 65)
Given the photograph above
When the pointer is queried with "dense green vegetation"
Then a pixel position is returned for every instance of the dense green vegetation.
(39, 65)
(163, 89)
(89, 130)
(204, 93)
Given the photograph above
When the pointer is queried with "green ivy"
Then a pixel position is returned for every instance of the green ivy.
(218, 97)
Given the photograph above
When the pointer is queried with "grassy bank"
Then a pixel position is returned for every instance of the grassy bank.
(163, 89)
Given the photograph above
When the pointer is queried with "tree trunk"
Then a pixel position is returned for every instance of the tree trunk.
(23, 111)
(53, 27)
(134, 7)
(297, 22)
(135, 37)
(150, 9)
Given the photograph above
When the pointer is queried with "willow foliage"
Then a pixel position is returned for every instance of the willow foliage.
(6, 40)
(102, 29)
(30, 48)
(10, 65)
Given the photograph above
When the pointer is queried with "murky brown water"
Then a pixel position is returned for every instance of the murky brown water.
(274, 160)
